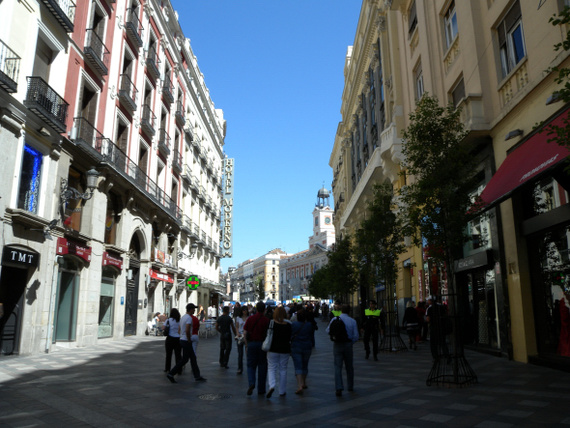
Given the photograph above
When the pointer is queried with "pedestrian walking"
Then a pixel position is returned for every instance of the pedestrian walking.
(342, 348)
(195, 337)
(172, 342)
(411, 323)
(255, 329)
(371, 328)
(439, 328)
(301, 349)
(278, 355)
(225, 326)
(240, 339)
(186, 345)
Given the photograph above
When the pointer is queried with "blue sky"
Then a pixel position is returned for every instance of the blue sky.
(275, 68)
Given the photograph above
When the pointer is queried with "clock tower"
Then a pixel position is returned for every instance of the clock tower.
(323, 228)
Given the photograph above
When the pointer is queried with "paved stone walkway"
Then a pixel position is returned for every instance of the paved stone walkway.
(121, 383)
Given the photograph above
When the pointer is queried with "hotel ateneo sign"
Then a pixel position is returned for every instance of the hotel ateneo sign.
(227, 208)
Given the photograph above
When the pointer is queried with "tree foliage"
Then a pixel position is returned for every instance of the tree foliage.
(442, 175)
(338, 277)
(380, 239)
(561, 134)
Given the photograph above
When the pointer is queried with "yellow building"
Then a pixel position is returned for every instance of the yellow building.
(488, 58)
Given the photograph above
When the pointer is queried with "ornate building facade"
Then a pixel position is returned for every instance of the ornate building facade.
(114, 155)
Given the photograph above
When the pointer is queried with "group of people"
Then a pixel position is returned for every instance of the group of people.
(292, 336)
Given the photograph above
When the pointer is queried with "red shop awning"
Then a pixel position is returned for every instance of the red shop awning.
(531, 159)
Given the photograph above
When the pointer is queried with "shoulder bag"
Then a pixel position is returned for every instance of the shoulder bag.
(266, 346)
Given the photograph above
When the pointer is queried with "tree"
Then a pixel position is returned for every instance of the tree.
(380, 239)
(438, 206)
(338, 278)
(561, 134)
(259, 288)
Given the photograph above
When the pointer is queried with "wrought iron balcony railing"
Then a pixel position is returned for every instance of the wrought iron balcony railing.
(187, 224)
(96, 53)
(86, 135)
(177, 161)
(148, 120)
(134, 27)
(187, 174)
(128, 93)
(168, 89)
(163, 142)
(9, 68)
(179, 113)
(46, 103)
(63, 11)
(153, 62)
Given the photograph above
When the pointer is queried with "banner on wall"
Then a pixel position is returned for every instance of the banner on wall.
(227, 208)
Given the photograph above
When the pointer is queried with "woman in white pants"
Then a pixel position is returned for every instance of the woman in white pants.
(278, 355)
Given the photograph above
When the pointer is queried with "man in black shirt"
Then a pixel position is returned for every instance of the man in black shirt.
(225, 326)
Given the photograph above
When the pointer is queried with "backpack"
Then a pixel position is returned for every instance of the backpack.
(337, 331)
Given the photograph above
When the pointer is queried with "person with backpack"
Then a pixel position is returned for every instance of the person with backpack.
(343, 331)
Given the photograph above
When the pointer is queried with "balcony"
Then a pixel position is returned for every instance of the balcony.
(177, 162)
(179, 114)
(163, 142)
(153, 62)
(210, 166)
(128, 93)
(194, 183)
(85, 134)
(187, 174)
(96, 53)
(148, 121)
(9, 68)
(189, 132)
(168, 89)
(63, 11)
(187, 224)
(46, 103)
(134, 27)
(196, 230)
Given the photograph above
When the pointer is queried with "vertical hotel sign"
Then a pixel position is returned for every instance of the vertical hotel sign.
(227, 208)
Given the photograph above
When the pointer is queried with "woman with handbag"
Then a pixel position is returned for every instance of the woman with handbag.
(240, 339)
(172, 342)
(279, 351)
(301, 348)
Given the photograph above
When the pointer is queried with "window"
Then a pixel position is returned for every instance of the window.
(419, 81)
(106, 300)
(450, 22)
(511, 39)
(458, 93)
(30, 176)
(112, 218)
(412, 18)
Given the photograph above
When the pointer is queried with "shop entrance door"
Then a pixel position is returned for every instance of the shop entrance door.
(12, 286)
(66, 310)
(131, 304)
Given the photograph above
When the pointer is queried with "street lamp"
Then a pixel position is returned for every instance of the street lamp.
(68, 192)
(193, 250)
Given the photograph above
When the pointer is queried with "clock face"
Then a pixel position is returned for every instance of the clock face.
(327, 220)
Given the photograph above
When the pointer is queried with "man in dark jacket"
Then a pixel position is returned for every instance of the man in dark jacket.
(225, 326)
(255, 330)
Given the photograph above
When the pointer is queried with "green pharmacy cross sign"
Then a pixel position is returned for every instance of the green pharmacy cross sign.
(193, 282)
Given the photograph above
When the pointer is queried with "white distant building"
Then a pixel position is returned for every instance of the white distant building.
(296, 269)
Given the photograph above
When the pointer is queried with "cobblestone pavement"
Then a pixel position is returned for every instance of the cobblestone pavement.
(121, 383)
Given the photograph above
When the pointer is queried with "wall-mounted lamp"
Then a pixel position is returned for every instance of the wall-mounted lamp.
(554, 98)
(514, 133)
(68, 192)
(193, 250)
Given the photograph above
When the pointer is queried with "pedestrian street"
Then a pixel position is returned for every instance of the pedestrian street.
(122, 384)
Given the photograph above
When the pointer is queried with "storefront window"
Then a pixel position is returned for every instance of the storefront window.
(553, 327)
(106, 301)
(483, 316)
(546, 195)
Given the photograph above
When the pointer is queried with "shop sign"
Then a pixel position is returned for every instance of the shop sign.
(109, 260)
(20, 257)
(475, 261)
(193, 282)
(159, 276)
(65, 246)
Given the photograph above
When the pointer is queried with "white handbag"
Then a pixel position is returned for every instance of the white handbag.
(266, 346)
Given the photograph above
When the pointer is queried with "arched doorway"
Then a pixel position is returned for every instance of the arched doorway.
(132, 290)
